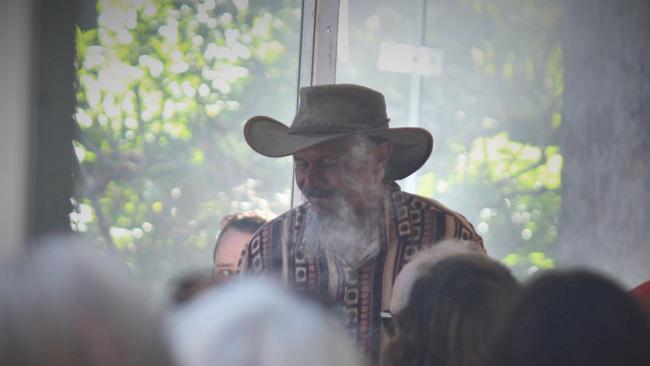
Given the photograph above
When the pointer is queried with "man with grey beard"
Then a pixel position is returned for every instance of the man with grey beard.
(347, 243)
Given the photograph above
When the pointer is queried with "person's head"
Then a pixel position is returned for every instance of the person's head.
(189, 285)
(65, 304)
(349, 172)
(422, 261)
(235, 231)
(642, 294)
(452, 309)
(253, 322)
(342, 145)
(573, 318)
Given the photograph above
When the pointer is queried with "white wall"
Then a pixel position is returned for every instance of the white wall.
(15, 44)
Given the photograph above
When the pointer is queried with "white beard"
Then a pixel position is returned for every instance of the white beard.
(343, 234)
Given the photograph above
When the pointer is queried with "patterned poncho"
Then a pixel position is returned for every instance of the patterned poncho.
(407, 224)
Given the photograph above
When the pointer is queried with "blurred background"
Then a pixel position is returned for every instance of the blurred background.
(162, 88)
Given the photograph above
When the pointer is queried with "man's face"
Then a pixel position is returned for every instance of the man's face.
(229, 250)
(346, 171)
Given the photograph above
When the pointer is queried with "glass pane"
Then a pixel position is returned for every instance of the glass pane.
(164, 89)
(485, 78)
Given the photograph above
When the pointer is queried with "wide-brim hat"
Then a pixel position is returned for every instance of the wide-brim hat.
(328, 112)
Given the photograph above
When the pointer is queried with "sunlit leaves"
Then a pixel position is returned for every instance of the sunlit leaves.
(198, 157)
(270, 51)
(426, 185)
(161, 84)
(81, 216)
(157, 207)
(534, 261)
(496, 109)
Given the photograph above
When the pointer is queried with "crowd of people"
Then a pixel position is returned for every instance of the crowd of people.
(360, 274)
(65, 304)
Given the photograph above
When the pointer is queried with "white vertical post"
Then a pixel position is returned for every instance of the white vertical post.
(415, 91)
(318, 37)
(325, 38)
(307, 32)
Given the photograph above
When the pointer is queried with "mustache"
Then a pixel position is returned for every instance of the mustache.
(321, 192)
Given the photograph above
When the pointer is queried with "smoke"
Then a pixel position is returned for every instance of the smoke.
(342, 233)
(347, 228)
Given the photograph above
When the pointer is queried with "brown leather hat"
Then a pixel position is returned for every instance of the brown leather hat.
(328, 112)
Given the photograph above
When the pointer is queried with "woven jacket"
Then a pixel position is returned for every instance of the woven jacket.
(407, 224)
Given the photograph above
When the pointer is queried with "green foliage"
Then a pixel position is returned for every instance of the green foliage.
(165, 85)
(493, 108)
(163, 89)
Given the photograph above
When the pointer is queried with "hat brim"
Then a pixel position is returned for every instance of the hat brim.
(411, 145)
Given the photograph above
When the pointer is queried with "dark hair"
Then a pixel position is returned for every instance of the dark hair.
(573, 318)
(187, 286)
(248, 222)
(452, 308)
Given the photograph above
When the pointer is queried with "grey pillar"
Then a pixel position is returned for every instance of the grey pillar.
(52, 109)
(605, 218)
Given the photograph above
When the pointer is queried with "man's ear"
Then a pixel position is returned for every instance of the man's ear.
(383, 152)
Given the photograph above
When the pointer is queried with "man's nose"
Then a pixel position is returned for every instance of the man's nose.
(314, 177)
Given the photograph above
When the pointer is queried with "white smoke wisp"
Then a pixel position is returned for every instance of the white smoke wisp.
(361, 157)
(343, 234)
(343, 231)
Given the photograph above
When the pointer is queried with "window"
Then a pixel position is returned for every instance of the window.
(485, 78)
(164, 89)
